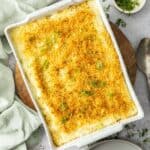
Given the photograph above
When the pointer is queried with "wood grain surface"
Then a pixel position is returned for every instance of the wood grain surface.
(127, 51)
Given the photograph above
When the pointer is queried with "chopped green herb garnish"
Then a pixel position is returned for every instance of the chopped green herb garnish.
(120, 22)
(98, 83)
(45, 44)
(143, 132)
(64, 119)
(130, 126)
(99, 65)
(127, 5)
(63, 106)
(127, 126)
(130, 134)
(53, 38)
(49, 41)
(45, 64)
(111, 94)
(146, 140)
(107, 15)
(43, 48)
(58, 33)
(107, 8)
(86, 93)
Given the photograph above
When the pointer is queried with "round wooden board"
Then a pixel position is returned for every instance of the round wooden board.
(127, 53)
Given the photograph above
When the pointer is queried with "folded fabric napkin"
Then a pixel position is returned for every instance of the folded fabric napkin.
(17, 121)
(14, 10)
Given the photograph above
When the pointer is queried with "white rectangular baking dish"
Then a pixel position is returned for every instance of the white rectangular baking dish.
(82, 141)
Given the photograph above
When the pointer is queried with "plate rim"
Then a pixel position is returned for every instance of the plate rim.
(119, 140)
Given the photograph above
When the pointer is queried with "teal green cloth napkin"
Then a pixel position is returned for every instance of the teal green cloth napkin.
(17, 121)
(14, 10)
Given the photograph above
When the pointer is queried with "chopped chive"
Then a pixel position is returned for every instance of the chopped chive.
(130, 126)
(58, 33)
(127, 126)
(43, 48)
(98, 83)
(144, 132)
(64, 119)
(54, 36)
(53, 39)
(86, 93)
(63, 106)
(45, 45)
(146, 140)
(120, 22)
(107, 8)
(130, 135)
(111, 94)
(108, 16)
(45, 64)
(99, 65)
(49, 41)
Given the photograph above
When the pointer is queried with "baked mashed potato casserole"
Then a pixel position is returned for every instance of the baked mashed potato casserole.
(73, 71)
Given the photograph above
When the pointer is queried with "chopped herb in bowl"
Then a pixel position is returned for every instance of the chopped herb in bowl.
(127, 4)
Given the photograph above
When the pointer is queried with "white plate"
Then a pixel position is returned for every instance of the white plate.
(116, 145)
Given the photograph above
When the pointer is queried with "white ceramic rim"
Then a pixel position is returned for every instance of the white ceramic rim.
(121, 141)
(137, 9)
(84, 140)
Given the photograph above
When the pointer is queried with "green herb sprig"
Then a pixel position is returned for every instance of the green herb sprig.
(120, 22)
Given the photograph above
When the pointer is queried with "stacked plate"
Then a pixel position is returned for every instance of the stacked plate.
(116, 145)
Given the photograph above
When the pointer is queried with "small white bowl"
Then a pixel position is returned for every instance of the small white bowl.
(135, 10)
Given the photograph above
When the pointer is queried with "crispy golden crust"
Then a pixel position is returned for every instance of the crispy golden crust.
(74, 72)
